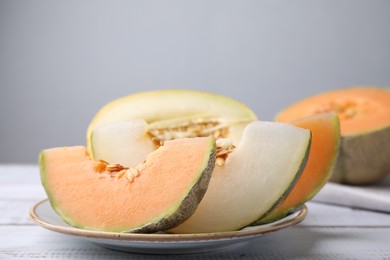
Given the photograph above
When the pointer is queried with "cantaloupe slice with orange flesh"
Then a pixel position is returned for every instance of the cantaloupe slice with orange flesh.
(199, 113)
(158, 194)
(256, 176)
(323, 154)
(364, 114)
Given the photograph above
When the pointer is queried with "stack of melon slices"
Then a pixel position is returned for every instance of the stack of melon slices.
(186, 161)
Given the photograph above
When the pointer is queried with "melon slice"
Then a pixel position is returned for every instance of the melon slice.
(123, 142)
(256, 176)
(156, 195)
(364, 114)
(199, 113)
(320, 164)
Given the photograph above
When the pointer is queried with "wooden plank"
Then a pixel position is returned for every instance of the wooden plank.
(19, 174)
(15, 212)
(331, 215)
(293, 243)
(20, 182)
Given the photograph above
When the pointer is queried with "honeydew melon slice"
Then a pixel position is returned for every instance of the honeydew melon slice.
(158, 194)
(255, 178)
(324, 149)
(123, 142)
(176, 108)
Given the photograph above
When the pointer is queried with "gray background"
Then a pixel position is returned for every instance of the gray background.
(60, 61)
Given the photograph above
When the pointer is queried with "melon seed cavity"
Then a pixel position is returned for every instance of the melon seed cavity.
(163, 131)
(346, 109)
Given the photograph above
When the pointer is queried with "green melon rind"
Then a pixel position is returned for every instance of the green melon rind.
(292, 185)
(181, 213)
(274, 216)
(227, 108)
(91, 147)
(364, 158)
(173, 217)
(143, 98)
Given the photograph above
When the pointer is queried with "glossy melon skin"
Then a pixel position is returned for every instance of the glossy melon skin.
(365, 130)
(164, 194)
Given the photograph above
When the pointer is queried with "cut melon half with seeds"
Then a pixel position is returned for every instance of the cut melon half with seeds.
(364, 113)
(172, 114)
(156, 195)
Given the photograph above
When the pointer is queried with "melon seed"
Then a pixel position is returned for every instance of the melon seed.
(129, 175)
(135, 172)
(100, 166)
(114, 167)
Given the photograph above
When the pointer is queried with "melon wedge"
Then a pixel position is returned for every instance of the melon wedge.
(177, 108)
(256, 176)
(364, 114)
(123, 142)
(323, 154)
(158, 194)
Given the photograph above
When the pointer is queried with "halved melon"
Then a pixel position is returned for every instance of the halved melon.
(256, 176)
(323, 154)
(158, 194)
(364, 114)
(178, 113)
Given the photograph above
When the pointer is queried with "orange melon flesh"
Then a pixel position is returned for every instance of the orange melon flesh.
(364, 114)
(323, 154)
(86, 196)
(360, 109)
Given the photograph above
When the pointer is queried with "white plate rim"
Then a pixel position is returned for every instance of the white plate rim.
(252, 231)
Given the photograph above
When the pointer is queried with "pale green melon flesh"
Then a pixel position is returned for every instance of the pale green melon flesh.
(163, 105)
(324, 150)
(123, 142)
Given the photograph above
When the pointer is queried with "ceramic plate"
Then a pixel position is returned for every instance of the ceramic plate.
(161, 243)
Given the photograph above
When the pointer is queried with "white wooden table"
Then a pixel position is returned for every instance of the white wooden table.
(328, 232)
